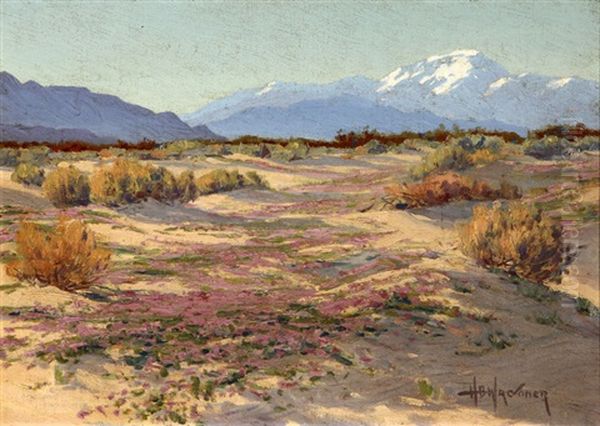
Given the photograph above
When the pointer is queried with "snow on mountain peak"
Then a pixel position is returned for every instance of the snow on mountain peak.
(440, 74)
(457, 53)
(555, 84)
(267, 88)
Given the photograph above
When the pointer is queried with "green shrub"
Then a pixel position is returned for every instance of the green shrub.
(460, 154)
(372, 147)
(181, 146)
(292, 151)
(221, 180)
(255, 180)
(67, 186)
(516, 238)
(28, 174)
(186, 187)
(9, 157)
(587, 143)
(445, 158)
(420, 144)
(37, 155)
(546, 147)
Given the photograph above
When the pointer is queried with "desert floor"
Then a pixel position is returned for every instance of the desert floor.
(286, 300)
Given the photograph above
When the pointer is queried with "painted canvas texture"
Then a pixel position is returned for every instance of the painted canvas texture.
(299, 213)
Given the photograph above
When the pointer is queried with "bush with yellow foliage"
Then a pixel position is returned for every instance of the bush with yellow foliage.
(516, 238)
(67, 186)
(66, 257)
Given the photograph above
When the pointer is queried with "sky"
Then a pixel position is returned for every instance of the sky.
(180, 55)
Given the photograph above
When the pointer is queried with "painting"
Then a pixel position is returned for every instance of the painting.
(299, 213)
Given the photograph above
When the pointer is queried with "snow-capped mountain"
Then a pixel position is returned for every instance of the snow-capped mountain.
(463, 87)
(30, 111)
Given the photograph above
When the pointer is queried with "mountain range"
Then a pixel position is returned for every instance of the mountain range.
(29, 111)
(463, 87)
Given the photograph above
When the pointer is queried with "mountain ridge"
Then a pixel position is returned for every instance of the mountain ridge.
(463, 86)
(26, 109)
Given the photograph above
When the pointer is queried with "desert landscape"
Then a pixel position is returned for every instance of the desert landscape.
(285, 213)
(302, 285)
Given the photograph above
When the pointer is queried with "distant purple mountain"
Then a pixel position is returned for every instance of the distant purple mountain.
(29, 111)
(18, 132)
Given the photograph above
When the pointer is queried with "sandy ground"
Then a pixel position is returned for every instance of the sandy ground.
(551, 348)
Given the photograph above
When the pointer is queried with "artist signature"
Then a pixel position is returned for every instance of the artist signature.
(479, 392)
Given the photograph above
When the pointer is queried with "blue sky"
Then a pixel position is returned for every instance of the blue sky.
(180, 55)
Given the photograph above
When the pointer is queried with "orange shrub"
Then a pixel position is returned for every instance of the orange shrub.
(516, 238)
(448, 187)
(66, 257)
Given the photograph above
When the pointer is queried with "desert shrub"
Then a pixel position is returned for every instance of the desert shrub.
(158, 154)
(218, 149)
(448, 187)
(372, 147)
(9, 157)
(186, 187)
(263, 151)
(180, 146)
(292, 151)
(163, 185)
(105, 153)
(446, 157)
(420, 144)
(546, 147)
(66, 257)
(516, 238)
(255, 180)
(67, 186)
(28, 174)
(224, 180)
(587, 143)
(484, 156)
(460, 154)
(254, 150)
(37, 155)
(124, 182)
(219, 181)
(67, 156)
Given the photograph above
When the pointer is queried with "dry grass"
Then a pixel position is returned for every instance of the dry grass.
(448, 187)
(66, 257)
(67, 186)
(516, 238)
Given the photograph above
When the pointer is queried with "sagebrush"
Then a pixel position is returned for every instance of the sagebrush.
(448, 187)
(65, 257)
(28, 174)
(221, 180)
(67, 186)
(517, 238)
